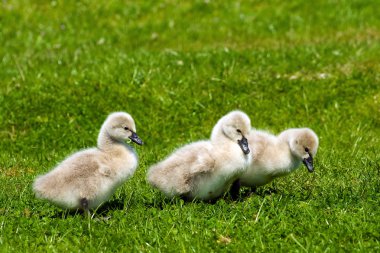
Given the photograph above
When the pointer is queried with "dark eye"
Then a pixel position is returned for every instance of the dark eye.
(238, 130)
(126, 128)
(307, 149)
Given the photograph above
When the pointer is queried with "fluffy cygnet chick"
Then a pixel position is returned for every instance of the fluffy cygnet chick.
(275, 156)
(205, 169)
(89, 177)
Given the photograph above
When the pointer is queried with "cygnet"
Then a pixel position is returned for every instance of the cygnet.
(275, 156)
(205, 169)
(89, 177)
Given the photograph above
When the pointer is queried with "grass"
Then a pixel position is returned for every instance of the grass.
(178, 66)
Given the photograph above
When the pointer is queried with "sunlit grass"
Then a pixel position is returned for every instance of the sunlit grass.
(177, 67)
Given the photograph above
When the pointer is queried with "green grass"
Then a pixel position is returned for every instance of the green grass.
(178, 66)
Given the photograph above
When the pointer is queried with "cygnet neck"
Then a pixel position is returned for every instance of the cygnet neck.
(106, 142)
(217, 133)
(286, 138)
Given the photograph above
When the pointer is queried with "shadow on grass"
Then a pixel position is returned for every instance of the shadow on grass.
(246, 193)
(161, 202)
(303, 195)
(100, 212)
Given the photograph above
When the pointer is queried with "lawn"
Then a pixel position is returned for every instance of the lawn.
(177, 67)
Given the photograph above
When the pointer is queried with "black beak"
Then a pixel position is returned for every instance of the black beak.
(243, 143)
(309, 163)
(135, 138)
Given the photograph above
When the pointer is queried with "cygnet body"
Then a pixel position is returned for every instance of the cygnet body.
(89, 177)
(205, 169)
(276, 156)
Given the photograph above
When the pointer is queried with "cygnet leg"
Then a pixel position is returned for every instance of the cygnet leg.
(253, 190)
(235, 189)
(185, 198)
(84, 205)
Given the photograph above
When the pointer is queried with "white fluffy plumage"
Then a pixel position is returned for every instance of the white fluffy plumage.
(275, 156)
(205, 169)
(89, 177)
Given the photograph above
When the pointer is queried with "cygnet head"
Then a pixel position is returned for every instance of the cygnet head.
(235, 125)
(120, 126)
(303, 144)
